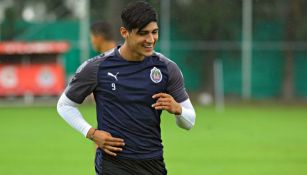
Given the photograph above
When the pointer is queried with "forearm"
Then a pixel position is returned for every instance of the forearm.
(70, 113)
(186, 119)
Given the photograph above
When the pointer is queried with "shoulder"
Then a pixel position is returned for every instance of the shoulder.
(163, 58)
(95, 61)
(102, 57)
(171, 65)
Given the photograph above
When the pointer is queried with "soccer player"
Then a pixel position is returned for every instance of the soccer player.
(102, 36)
(132, 84)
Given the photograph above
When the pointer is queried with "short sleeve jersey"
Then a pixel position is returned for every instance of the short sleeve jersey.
(123, 93)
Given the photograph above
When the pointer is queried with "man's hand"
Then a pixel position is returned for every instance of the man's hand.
(107, 143)
(166, 102)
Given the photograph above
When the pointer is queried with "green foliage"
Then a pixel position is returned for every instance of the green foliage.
(212, 20)
(265, 139)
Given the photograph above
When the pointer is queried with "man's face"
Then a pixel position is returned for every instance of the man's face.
(142, 42)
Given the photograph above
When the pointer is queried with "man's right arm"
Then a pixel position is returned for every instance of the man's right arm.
(70, 113)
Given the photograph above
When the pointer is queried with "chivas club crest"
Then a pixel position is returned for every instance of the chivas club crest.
(155, 75)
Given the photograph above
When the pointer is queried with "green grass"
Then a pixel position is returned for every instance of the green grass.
(243, 140)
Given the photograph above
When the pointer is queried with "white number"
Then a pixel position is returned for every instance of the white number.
(113, 86)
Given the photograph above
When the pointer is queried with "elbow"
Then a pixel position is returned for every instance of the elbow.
(187, 118)
(191, 122)
(189, 126)
(58, 107)
(185, 124)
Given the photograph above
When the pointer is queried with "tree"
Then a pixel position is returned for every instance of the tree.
(49, 10)
(293, 19)
(205, 20)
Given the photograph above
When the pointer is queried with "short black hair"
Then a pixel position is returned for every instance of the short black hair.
(103, 28)
(137, 15)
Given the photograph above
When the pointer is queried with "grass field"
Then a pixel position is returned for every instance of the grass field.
(243, 140)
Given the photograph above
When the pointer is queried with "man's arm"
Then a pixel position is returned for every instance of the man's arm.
(186, 119)
(184, 111)
(70, 113)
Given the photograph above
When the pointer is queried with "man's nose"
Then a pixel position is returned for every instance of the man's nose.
(150, 38)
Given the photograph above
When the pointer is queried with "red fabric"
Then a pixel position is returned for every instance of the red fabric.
(13, 48)
(36, 79)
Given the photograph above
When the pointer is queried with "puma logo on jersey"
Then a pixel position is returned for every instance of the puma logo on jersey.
(114, 76)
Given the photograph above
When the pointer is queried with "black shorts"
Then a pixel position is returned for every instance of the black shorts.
(109, 165)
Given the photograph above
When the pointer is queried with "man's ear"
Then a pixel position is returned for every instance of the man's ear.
(124, 32)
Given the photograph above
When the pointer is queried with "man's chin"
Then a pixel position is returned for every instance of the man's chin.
(148, 54)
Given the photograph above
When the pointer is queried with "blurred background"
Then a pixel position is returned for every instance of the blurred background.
(244, 64)
(258, 46)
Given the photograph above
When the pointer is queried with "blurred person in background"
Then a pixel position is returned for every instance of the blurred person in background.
(102, 39)
(132, 84)
(102, 36)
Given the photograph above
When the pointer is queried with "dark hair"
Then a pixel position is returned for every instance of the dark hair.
(103, 28)
(137, 15)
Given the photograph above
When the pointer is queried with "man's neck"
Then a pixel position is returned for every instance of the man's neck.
(108, 45)
(128, 55)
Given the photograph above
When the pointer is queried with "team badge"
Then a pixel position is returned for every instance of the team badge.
(155, 75)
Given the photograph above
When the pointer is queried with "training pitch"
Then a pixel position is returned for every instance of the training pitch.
(243, 140)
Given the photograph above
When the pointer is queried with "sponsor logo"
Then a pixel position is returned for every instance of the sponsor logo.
(114, 76)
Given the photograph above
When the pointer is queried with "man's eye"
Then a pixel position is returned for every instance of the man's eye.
(142, 33)
(155, 32)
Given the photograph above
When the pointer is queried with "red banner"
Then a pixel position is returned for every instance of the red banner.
(36, 79)
(51, 47)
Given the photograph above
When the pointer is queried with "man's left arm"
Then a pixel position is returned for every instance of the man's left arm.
(186, 119)
(184, 111)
